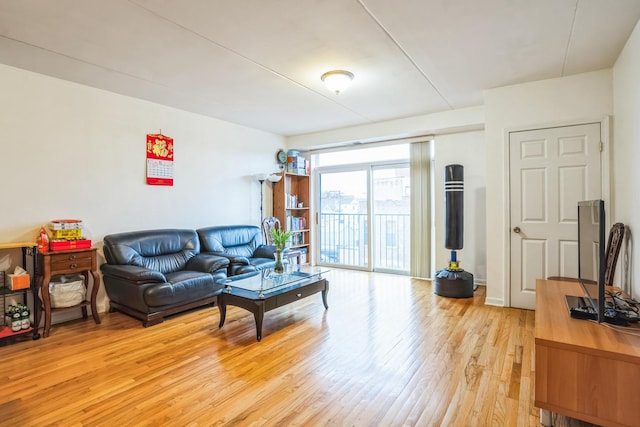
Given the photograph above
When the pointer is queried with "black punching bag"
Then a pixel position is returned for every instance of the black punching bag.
(453, 281)
(454, 206)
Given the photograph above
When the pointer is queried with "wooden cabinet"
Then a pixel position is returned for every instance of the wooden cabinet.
(583, 369)
(69, 262)
(291, 205)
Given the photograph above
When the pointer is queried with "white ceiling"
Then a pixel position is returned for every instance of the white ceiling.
(258, 62)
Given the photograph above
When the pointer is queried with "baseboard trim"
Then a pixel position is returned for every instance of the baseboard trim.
(498, 302)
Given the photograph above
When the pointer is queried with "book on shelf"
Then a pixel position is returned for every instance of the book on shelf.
(291, 201)
(297, 163)
(296, 223)
(295, 239)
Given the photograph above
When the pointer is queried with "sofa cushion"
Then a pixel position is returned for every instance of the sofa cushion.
(181, 287)
(262, 263)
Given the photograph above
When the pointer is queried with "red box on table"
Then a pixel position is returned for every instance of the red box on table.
(65, 245)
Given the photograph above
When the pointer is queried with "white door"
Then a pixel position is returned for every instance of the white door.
(550, 171)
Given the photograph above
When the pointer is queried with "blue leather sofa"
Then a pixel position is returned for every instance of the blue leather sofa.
(154, 273)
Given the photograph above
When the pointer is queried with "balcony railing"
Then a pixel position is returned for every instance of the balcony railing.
(343, 240)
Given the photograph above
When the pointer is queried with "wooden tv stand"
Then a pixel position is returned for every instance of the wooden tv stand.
(584, 370)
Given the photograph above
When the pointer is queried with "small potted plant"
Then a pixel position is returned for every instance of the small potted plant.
(280, 238)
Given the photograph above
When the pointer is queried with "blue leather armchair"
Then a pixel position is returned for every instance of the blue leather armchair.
(242, 245)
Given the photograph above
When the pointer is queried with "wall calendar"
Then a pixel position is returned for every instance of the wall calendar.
(159, 160)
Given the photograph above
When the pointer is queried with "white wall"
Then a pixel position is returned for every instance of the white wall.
(71, 151)
(561, 101)
(468, 150)
(626, 154)
(445, 122)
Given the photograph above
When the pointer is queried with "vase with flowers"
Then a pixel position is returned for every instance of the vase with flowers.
(280, 238)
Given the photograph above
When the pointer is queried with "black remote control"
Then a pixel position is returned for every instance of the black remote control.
(582, 313)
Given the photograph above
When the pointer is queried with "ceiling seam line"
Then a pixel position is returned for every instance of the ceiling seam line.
(111, 70)
(566, 51)
(404, 52)
(264, 67)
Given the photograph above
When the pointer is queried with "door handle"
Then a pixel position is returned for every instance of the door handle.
(516, 230)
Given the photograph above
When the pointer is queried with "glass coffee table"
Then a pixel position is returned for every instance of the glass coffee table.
(266, 291)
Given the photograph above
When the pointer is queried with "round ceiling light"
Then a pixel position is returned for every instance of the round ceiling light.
(337, 80)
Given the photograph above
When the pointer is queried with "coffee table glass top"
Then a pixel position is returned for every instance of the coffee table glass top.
(266, 281)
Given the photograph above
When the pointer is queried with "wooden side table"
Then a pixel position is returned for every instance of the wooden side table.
(69, 262)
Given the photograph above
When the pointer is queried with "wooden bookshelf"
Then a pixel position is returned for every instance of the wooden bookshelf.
(291, 205)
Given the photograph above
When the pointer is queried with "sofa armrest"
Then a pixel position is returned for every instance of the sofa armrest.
(207, 263)
(133, 273)
(266, 251)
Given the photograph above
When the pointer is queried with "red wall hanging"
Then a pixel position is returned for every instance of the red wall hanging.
(159, 159)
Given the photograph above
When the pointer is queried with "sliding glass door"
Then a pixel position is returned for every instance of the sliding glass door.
(391, 208)
(363, 204)
(343, 218)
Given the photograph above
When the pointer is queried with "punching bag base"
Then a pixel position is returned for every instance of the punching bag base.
(453, 284)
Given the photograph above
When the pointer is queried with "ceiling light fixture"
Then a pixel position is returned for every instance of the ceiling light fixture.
(337, 80)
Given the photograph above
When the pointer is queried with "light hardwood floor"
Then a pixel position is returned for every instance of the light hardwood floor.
(387, 352)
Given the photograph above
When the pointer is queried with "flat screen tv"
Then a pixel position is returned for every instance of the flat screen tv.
(591, 262)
